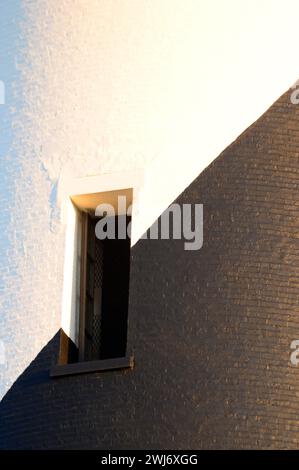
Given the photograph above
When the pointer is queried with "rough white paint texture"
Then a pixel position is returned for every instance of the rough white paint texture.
(102, 86)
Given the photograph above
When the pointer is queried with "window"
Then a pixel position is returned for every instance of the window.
(102, 284)
(104, 291)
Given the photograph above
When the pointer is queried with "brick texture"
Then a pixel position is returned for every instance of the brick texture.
(210, 330)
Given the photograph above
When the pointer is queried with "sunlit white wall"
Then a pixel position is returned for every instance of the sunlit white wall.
(100, 87)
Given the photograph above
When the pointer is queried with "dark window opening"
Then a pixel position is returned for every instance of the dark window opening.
(104, 292)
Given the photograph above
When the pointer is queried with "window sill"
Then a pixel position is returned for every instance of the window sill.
(62, 370)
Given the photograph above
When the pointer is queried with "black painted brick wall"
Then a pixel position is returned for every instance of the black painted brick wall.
(210, 330)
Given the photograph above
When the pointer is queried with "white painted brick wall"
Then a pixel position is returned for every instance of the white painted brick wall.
(99, 86)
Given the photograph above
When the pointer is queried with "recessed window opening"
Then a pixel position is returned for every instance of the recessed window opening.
(104, 270)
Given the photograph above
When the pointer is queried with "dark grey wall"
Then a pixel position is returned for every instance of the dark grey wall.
(210, 330)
